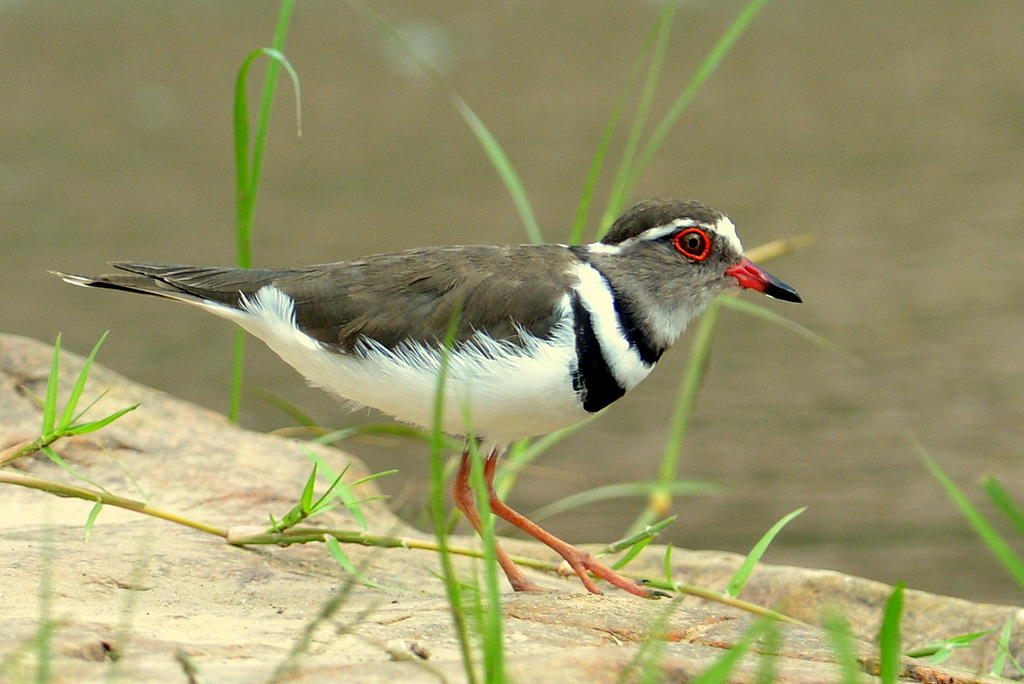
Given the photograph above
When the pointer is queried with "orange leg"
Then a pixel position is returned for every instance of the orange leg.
(580, 561)
(463, 497)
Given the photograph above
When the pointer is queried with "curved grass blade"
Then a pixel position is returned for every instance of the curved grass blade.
(91, 520)
(52, 385)
(772, 317)
(700, 348)
(499, 160)
(334, 547)
(704, 71)
(285, 406)
(720, 672)
(842, 640)
(437, 503)
(668, 567)
(1005, 503)
(742, 574)
(247, 171)
(890, 651)
(621, 490)
(583, 207)
(995, 542)
(56, 458)
(621, 184)
(938, 651)
(648, 532)
(76, 393)
(526, 451)
(999, 662)
(632, 553)
(94, 425)
(345, 490)
(635, 544)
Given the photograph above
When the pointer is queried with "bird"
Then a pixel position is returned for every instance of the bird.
(533, 338)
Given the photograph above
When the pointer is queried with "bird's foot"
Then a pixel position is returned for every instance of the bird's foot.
(585, 565)
(523, 584)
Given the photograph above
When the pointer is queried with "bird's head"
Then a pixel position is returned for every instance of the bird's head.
(692, 244)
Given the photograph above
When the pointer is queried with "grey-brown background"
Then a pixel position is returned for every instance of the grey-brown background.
(894, 131)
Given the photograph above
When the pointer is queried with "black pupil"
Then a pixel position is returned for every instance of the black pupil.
(695, 243)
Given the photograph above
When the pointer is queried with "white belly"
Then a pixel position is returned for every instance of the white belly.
(498, 391)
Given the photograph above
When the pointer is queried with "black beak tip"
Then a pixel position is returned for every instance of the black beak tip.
(780, 290)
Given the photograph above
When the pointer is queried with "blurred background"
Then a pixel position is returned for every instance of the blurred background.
(893, 131)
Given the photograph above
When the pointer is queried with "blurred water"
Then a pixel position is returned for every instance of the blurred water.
(893, 131)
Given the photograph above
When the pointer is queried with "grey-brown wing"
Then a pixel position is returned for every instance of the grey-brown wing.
(414, 295)
(390, 298)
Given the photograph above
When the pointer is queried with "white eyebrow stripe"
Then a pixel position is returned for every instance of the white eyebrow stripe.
(727, 230)
(723, 228)
(661, 231)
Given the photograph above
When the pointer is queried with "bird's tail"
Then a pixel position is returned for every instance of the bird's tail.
(190, 284)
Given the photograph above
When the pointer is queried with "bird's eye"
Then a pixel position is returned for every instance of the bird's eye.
(694, 243)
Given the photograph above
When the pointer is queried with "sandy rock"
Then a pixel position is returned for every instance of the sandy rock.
(157, 601)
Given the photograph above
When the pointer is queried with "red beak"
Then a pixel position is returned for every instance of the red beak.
(752, 276)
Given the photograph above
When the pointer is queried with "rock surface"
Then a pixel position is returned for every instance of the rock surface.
(151, 600)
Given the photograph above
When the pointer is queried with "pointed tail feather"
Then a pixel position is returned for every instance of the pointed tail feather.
(190, 284)
(128, 283)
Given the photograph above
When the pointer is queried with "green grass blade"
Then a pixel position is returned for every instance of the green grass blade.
(696, 365)
(93, 426)
(339, 555)
(248, 165)
(333, 492)
(739, 579)
(668, 566)
(621, 184)
(720, 672)
(76, 392)
(47, 625)
(492, 618)
(648, 532)
(298, 512)
(768, 662)
(52, 385)
(995, 542)
(285, 406)
(78, 416)
(499, 160)
(247, 171)
(525, 452)
(632, 553)
(586, 197)
(842, 640)
(56, 458)
(699, 350)
(1005, 503)
(704, 71)
(621, 490)
(772, 317)
(307, 491)
(393, 430)
(890, 651)
(91, 520)
(999, 662)
(437, 503)
(344, 492)
(938, 651)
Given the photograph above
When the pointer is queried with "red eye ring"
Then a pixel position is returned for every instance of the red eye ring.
(694, 243)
